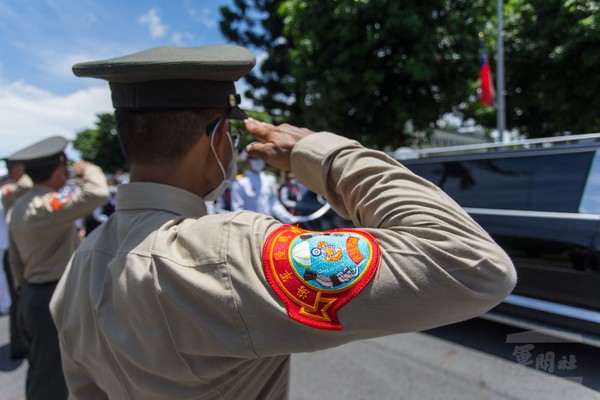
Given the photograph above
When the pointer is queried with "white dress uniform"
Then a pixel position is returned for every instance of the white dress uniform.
(258, 191)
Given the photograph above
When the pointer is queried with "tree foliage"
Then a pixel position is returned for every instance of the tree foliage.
(371, 66)
(257, 25)
(552, 58)
(364, 68)
(100, 145)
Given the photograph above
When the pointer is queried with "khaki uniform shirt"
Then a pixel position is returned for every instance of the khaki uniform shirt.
(166, 302)
(42, 231)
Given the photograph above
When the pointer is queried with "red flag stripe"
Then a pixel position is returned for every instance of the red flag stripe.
(486, 96)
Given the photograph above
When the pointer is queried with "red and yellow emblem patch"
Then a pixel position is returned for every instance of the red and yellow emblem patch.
(58, 201)
(8, 189)
(317, 273)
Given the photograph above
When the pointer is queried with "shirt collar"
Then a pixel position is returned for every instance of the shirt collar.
(40, 189)
(156, 196)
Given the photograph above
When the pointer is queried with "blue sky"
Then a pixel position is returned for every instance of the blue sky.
(41, 39)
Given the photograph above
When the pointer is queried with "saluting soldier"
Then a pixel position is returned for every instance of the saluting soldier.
(42, 239)
(18, 183)
(166, 302)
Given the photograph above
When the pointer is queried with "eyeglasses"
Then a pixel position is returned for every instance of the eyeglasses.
(234, 131)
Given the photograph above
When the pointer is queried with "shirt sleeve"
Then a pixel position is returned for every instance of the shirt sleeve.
(16, 264)
(279, 211)
(284, 197)
(12, 191)
(436, 265)
(428, 242)
(60, 209)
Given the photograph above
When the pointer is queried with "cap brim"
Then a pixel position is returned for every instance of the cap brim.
(47, 149)
(237, 113)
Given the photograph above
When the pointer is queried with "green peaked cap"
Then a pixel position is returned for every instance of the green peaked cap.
(174, 77)
(46, 152)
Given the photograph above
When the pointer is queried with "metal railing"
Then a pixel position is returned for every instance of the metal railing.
(410, 153)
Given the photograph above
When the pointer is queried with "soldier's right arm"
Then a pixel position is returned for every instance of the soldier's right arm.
(436, 265)
(60, 210)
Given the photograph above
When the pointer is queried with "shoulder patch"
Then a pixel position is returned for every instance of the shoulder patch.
(58, 201)
(317, 273)
(8, 189)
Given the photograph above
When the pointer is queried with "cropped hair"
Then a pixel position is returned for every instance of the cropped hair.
(12, 164)
(163, 135)
(42, 172)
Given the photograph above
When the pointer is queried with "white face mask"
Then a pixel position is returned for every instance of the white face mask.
(229, 175)
(257, 165)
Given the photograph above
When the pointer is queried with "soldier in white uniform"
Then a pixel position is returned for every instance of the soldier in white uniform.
(257, 191)
(42, 239)
(166, 302)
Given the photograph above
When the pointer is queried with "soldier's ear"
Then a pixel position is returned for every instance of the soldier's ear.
(222, 132)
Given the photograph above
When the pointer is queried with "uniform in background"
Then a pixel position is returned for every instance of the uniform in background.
(5, 293)
(18, 184)
(257, 191)
(42, 239)
(290, 192)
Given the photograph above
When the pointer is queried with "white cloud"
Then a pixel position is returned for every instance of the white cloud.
(208, 19)
(206, 16)
(154, 22)
(58, 61)
(159, 30)
(182, 38)
(191, 10)
(29, 114)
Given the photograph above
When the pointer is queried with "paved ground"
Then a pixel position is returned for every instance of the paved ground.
(410, 366)
(421, 367)
(12, 374)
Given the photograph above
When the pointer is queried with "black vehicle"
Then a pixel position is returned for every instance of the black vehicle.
(540, 200)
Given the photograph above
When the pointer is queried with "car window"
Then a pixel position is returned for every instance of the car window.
(551, 182)
(590, 201)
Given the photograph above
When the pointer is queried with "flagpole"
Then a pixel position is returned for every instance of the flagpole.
(500, 106)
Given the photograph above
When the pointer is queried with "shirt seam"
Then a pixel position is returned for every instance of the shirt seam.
(233, 298)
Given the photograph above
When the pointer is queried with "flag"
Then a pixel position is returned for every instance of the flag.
(486, 96)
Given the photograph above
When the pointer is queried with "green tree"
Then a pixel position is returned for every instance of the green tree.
(552, 53)
(370, 66)
(364, 68)
(100, 145)
(257, 25)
